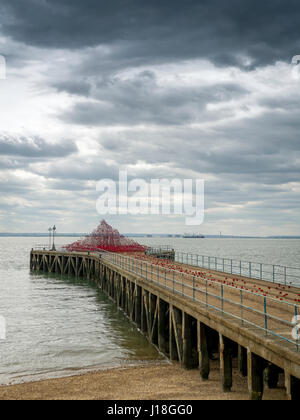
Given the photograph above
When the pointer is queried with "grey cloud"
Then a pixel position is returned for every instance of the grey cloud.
(77, 169)
(33, 147)
(218, 30)
(141, 100)
(74, 87)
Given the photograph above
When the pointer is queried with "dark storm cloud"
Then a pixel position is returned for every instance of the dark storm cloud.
(34, 147)
(265, 149)
(221, 31)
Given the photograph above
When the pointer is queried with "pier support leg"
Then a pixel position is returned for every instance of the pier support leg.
(272, 376)
(162, 326)
(190, 356)
(204, 364)
(144, 323)
(242, 360)
(226, 363)
(256, 367)
(138, 306)
(187, 345)
(172, 340)
(153, 316)
(177, 328)
(292, 385)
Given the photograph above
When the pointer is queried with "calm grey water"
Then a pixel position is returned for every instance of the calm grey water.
(269, 251)
(57, 326)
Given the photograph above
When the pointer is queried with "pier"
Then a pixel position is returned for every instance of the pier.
(194, 314)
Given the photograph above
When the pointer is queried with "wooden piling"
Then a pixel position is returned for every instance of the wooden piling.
(256, 367)
(204, 363)
(225, 363)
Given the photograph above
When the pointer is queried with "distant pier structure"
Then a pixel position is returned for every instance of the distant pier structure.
(192, 315)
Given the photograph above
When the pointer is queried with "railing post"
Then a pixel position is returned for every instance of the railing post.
(223, 265)
(194, 288)
(266, 315)
(261, 271)
(158, 274)
(296, 329)
(240, 268)
(206, 293)
(222, 295)
(165, 278)
(182, 285)
(208, 262)
(173, 281)
(231, 266)
(242, 307)
(273, 273)
(250, 270)
(285, 275)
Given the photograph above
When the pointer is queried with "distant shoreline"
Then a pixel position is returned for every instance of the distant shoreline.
(137, 235)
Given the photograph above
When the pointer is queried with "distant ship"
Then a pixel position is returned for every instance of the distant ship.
(193, 236)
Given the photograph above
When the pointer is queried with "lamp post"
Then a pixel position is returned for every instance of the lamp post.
(50, 231)
(53, 229)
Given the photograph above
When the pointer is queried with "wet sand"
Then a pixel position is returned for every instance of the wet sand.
(152, 382)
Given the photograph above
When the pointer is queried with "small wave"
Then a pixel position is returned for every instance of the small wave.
(23, 377)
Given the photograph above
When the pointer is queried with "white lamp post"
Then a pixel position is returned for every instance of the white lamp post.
(50, 231)
(54, 230)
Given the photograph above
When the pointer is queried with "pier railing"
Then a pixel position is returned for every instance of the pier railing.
(251, 309)
(159, 249)
(255, 270)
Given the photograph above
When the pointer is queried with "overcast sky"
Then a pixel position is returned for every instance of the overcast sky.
(176, 89)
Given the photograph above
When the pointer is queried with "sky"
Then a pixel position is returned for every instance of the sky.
(200, 89)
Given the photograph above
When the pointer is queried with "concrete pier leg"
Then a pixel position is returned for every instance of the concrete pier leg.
(162, 326)
(292, 385)
(131, 302)
(144, 327)
(272, 376)
(225, 363)
(204, 364)
(256, 367)
(188, 359)
(172, 340)
(242, 360)
(138, 306)
(153, 318)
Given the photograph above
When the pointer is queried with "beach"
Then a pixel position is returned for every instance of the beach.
(145, 382)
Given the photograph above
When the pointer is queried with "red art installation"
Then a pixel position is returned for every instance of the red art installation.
(104, 237)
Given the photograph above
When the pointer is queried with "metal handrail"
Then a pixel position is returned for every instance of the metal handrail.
(142, 268)
(274, 273)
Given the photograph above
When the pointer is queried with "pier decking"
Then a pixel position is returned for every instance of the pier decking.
(192, 313)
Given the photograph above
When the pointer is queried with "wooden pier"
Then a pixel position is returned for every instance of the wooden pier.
(182, 329)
